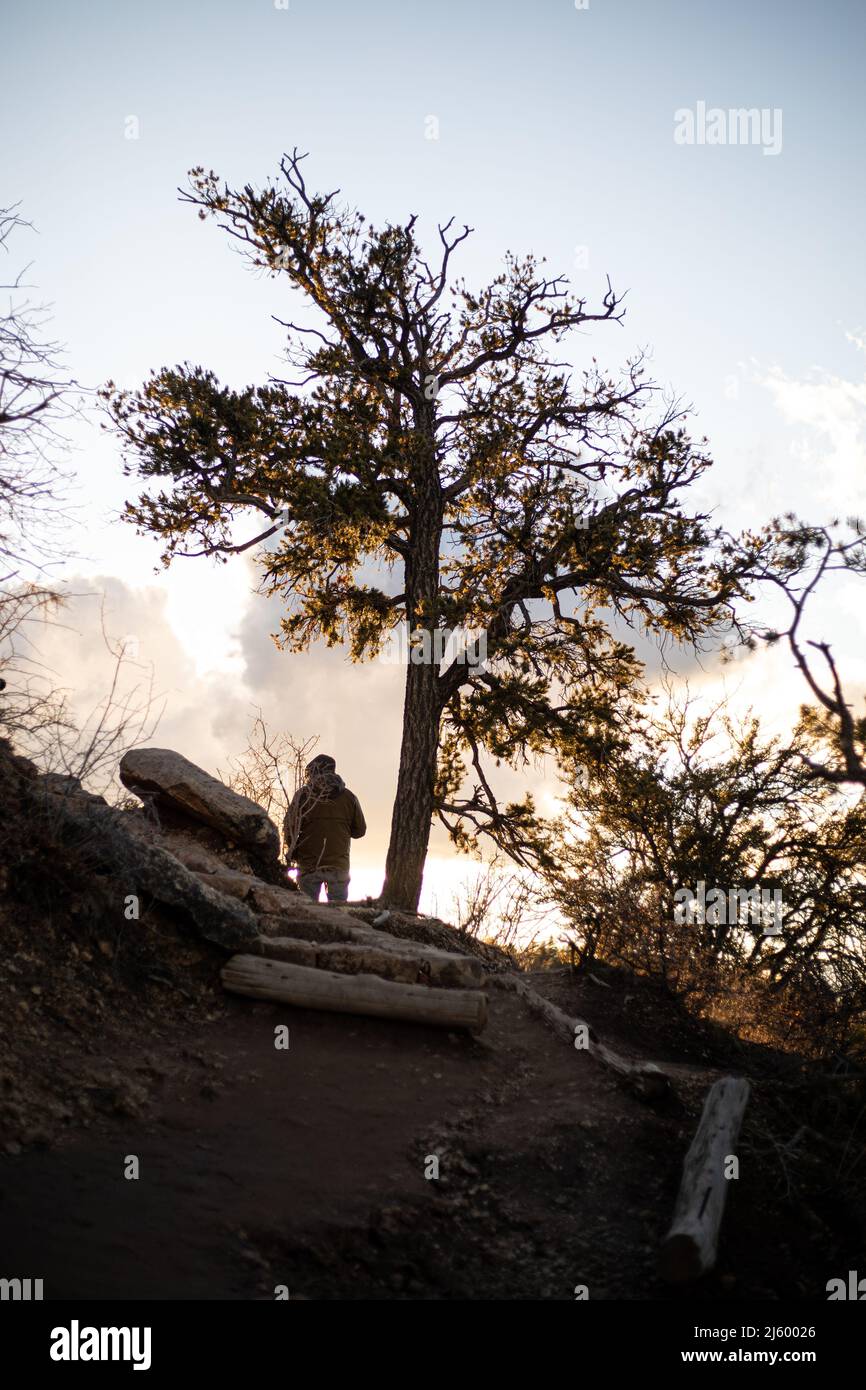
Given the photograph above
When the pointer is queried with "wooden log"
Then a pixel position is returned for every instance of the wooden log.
(445, 967)
(310, 988)
(689, 1249)
(647, 1078)
(368, 953)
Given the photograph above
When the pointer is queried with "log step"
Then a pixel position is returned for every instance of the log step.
(311, 988)
(370, 953)
(647, 1078)
(689, 1250)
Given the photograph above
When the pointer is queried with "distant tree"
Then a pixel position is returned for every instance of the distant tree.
(35, 398)
(697, 799)
(805, 556)
(270, 771)
(435, 466)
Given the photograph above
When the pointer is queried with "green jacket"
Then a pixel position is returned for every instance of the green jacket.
(330, 818)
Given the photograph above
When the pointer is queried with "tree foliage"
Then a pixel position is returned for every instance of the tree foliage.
(694, 799)
(434, 464)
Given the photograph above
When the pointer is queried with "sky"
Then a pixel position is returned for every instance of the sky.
(547, 127)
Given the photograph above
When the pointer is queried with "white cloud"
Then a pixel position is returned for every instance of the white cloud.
(830, 410)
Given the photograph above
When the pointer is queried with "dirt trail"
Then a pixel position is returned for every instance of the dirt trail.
(262, 1167)
(252, 1154)
(305, 1168)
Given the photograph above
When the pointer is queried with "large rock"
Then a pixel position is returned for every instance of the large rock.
(198, 846)
(218, 918)
(152, 872)
(64, 784)
(185, 794)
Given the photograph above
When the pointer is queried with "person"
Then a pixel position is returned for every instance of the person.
(319, 826)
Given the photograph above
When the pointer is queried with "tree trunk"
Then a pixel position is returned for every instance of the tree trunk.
(413, 804)
(422, 705)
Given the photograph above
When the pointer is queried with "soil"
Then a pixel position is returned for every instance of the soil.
(370, 1159)
(305, 1168)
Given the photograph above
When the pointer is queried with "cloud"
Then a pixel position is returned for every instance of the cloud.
(101, 614)
(826, 460)
(354, 710)
(817, 472)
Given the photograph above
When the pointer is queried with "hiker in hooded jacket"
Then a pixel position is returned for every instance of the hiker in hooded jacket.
(319, 826)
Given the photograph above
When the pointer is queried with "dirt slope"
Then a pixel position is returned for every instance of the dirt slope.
(262, 1167)
(305, 1168)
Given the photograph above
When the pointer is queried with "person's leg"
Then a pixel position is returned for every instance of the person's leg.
(338, 885)
(311, 884)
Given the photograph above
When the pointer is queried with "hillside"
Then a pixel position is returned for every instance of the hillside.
(304, 1167)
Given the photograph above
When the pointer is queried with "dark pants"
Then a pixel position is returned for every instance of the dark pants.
(335, 880)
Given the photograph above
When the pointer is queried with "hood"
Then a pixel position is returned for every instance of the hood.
(326, 784)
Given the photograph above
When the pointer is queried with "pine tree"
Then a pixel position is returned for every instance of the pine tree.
(432, 434)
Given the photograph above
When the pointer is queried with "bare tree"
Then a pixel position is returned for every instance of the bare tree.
(498, 905)
(36, 715)
(126, 715)
(270, 772)
(808, 554)
(31, 712)
(36, 396)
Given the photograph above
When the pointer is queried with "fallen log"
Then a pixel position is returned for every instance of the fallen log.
(367, 953)
(647, 1078)
(311, 988)
(689, 1249)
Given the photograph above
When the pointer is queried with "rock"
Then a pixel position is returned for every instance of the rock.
(25, 767)
(200, 848)
(149, 870)
(64, 784)
(177, 789)
(61, 782)
(230, 882)
(277, 898)
(220, 919)
(260, 896)
(195, 856)
(304, 927)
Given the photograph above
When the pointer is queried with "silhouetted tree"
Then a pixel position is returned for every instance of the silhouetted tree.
(35, 397)
(804, 556)
(432, 434)
(698, 799)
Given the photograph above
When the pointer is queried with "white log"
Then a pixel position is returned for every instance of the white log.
(310, 988)
(690, 1247)
(368, 953)
(646, 1077)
